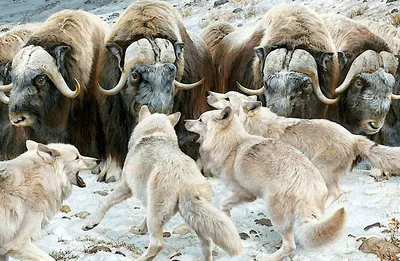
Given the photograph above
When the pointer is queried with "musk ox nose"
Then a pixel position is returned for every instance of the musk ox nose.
(374, 124)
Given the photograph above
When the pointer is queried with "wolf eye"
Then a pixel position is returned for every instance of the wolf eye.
(200, 120)
(227, 99)
(40, 80)
(77, 157)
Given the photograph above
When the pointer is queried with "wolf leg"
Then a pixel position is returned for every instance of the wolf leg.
(334, 193)
(206, 247)
(30, 252)
(121, 192)
(288, 246)
(141, 229)
(237, 197)
(3, 258)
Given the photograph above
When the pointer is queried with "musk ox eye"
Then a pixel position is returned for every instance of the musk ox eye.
(40, 80)
(135, 76)
(358, 84)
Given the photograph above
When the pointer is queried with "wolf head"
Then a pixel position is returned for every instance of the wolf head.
(65, 156)
(232, 98)
(154, 124)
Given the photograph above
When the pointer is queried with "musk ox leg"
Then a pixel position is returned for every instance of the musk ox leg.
(141, 229)
(111, 171)
(237, 197)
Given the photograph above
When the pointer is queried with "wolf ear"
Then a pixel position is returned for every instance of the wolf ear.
(144, 113)
(250, 108)
(31, 145)
(47, 154)
(252, 97)
(226, 114)
(174, 118)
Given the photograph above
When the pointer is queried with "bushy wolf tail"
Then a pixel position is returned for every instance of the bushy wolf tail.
(214, 34)
(381, 157)
(210, 222)
(316, 233)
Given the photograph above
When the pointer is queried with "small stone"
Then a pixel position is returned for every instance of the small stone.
(166, 234)
(362, 239)
(136, 207)
(176, 255)
(220, 2)
(88, 2)
(389, 1)
(263, 222)
(120, 253)
(101, 193)
(253, 232)
(350, 235)
(239, 25)
(65, 209)
(237, 10)
(394, 11)
(377, 224)
(82, 214)
(214, 253)
(65, 217)
(244, 236)
(261, 214)
(182, 229)
(95, 249)
(379, 247)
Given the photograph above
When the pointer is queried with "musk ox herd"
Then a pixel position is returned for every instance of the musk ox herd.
(298, 100)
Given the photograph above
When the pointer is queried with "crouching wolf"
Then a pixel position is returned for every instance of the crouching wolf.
(32, 189)
(330, 147)
(256, 167)
(167, 181)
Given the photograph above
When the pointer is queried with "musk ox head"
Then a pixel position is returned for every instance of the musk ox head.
(149, 70)
(37, 84)
(290, 81)
(366, 92)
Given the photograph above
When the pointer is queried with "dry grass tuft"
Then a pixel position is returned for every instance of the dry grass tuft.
(395, 19)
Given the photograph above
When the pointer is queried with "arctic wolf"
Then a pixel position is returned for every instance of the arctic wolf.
(167, 181)
(329, 146)
(256, 167)
(32, 189)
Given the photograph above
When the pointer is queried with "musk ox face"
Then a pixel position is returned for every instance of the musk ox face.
(149, 74)
(38, 86)
(291, 86)
(366, 101)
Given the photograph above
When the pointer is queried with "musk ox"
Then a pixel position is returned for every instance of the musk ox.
(367, 76)
(53, 83)
(149, 57)
(289, 58)
(10, 43)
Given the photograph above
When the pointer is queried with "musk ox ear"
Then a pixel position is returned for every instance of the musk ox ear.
(260, 52)
(342, 60)
(250, 108)
(226, 114)
(60, 52)
(116, 51)
(174, 118)
(144, 113)
(31, 145)
(179, 46)
(326, 61)
(48, 155)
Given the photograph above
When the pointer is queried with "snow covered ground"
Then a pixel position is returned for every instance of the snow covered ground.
(366, 200)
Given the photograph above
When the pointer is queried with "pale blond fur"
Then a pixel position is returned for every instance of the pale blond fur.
(167, 181)
(386, 31)
(32, 189)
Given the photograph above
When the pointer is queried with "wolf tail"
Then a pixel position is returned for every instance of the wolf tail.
(210, 222)
(381, 157)
(313, 233)
(214, 34)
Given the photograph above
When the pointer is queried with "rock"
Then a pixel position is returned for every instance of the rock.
(390, 1)
(379, 247)
(220, 2)
(65, 217)
(65, 209)
(239, 25)
(394, 11)
(101, 193)
(182, 230)
(136, 207)
(362, 239)
(244, 236)
(88, 2)
(263, 222)
(350, 235)
(120, 253)
(253, 232)
(176, 255)
(113, 15)
(166, 234)
(82, 214)
(237, 10)
(377, 224)
(214, 253)
(95, 249)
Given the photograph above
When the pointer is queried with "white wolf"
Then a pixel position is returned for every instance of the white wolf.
(32, 188)
(292, 187)
(167, 181)
(329, 146)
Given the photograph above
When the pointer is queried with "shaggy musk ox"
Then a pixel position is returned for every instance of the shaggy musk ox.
(10, 44)
(148, 56)
(53, 83)
(289, 58)
(367, 76)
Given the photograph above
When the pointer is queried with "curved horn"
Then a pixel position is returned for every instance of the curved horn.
(6, 88)
(390, 62)
(368, 61)
(117, 88)
(303, 62)
(395, 97)
(259, 91)
(61, 85)
(4, 98)
(274, 61)
(183, 86)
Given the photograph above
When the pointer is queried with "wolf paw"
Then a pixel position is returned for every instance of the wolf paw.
(90, 224)
(138, 230)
